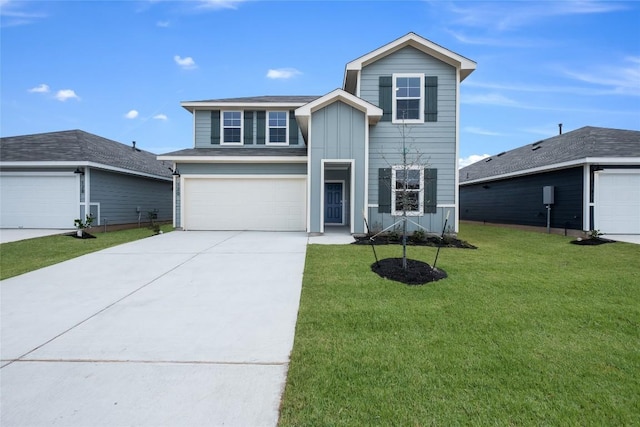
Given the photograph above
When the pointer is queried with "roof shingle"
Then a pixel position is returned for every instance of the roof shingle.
(79, 146)
(586, 142)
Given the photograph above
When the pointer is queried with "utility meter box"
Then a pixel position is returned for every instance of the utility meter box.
(547, 194)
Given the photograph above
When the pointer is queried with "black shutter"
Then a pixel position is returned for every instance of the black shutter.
(384, 190)
(431, 99)
(293, 128)
(215, 127)
(385, 97)
(248, 127)
(430, 190)
(261, 129)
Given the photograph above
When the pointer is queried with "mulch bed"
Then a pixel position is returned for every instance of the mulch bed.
(435, 241)
(417, 272)
(591, 241)
(85, 235)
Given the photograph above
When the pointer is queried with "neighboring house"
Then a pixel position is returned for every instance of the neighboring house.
(594, 172)
(308, 162)
(47, 180)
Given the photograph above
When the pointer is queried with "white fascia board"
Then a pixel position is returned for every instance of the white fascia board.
(465, 65)
(235, 159)
(83, 164)
(203, 105)
(373, 112)
(619, 161)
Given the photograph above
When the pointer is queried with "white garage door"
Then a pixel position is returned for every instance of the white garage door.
(38, 200)
(245, 203)
(617, 201)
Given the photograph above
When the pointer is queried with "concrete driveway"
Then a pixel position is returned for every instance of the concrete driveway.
(180, 329)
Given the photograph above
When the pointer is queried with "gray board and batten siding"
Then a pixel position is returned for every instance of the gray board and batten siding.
(519, 200)
(338, 132)
(431, 144)
(119, 196)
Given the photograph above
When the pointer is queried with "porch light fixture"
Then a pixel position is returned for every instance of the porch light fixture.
(175, 172)
(78, 171)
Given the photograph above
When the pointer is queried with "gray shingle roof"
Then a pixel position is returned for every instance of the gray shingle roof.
(571, 146)
(245, 151)
(79, 146)
(293, 99)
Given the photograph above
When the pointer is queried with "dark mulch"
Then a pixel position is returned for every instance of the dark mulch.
(435, 241)
(592, 241)
(85, 235)
(417, 272)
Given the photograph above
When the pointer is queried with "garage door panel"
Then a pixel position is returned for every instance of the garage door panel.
(270, 204)
(38, 201)
(617, 202)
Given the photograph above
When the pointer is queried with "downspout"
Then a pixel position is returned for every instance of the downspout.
(455, 160)
(87, 192)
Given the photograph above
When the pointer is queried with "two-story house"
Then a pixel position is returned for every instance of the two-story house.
(303, 163)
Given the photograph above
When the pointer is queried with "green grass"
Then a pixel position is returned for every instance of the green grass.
(27, 255)
(526, 330)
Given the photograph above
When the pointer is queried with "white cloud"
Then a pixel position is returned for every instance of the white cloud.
(490, 99)
(131, 114)
(42, 88)
(282, 73)
(219, 4)
(162, 24)
(466, 161)
(481, 131)
(185, 63)
(161, 117)
(13, 14)
(506, 16)
(620, 79)
(64, 94)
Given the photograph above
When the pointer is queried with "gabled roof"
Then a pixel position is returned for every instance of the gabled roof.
(303, 113)
(465, 65)
(78, 148)
(286, 101)
(585, 145)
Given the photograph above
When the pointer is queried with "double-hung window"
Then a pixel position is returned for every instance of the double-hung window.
(407, 190)
(277, 128)
(408, 98)
(232, 127)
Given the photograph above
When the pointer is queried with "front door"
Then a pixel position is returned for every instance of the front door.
(333, 203)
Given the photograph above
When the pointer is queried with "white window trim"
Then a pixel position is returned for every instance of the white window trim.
(269, 128)
(420, 211)
(394, 107)
(222, 127)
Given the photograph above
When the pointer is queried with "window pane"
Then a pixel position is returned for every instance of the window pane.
(232, 118)
(278, 118)
(232, 135)
(407, 200)
(408, 109)
(277, 135)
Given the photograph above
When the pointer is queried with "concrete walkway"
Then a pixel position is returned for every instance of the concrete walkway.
(180, 329)
(15, 234)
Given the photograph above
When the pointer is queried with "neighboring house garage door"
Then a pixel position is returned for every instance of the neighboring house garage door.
(245, 203)
(38, 200)
(617, 201)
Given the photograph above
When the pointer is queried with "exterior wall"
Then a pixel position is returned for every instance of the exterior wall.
(337, 133)
(429, 144)
(519, 200)
(119, 196)
(203, 126)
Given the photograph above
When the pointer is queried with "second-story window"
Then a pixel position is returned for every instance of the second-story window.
(232, 127)
(408, 98)
(277, 129)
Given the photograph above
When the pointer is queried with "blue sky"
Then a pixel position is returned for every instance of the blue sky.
(120, 69)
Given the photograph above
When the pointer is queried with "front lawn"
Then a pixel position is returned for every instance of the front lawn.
(27, 255)
(526, 330)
